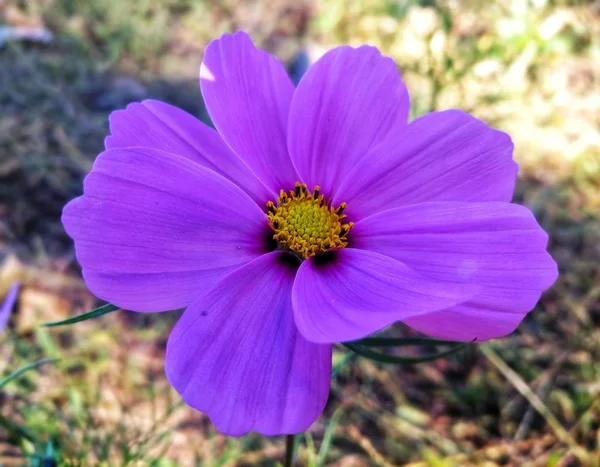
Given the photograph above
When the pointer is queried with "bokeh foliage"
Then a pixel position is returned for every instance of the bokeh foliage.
(531, 68)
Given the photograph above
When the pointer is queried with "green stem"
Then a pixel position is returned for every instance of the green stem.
(383, 358)
(289, 451)
(399, 342)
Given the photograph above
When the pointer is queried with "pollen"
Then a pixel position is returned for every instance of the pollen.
(305, 223)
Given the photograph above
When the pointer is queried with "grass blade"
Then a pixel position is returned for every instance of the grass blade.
(328, 436)
(382, 358)
(95, 313)
(349, 356)
(399, 342)
(20, 371)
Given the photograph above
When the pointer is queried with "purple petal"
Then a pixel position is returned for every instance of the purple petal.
(248, 93)
(443, 156)
(8, 304)
(498, 246)
(360, 292)
(154, 124)
(237, 355)
(467, 322)
(346, 103)
(154, 231)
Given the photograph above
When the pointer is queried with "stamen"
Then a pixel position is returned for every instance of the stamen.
(305, 223)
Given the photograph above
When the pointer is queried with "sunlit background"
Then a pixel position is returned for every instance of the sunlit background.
(531, 68)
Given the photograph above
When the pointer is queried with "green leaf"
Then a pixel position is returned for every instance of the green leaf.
(95, 313)
(379, 357)
(24, 369)
(399, 342)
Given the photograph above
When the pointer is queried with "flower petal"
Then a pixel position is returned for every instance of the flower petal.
(154, 124)
(248, 93)
(153, 231)
(498, 246)
(468, 322)
(359, 292)
(8, 304)
(443, 156)
(346, 103)
(237, 355)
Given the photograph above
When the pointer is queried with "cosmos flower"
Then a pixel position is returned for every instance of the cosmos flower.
(8, 304)
(312, 215)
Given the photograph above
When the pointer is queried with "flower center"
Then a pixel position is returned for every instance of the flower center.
(306, 223)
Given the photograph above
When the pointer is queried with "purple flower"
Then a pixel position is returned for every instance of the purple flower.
(313, 215)
(8, 304)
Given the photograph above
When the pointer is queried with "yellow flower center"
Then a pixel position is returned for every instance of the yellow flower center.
(305, 223)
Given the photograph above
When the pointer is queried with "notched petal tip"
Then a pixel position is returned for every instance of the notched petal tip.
(247, 93)
(356, 91)
(230, 39)
(553, 272)
(69, 213)
(499, 246)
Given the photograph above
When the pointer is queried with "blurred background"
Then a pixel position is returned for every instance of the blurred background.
(531, 68)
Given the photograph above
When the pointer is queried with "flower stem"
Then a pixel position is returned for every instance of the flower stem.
(289, 451)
